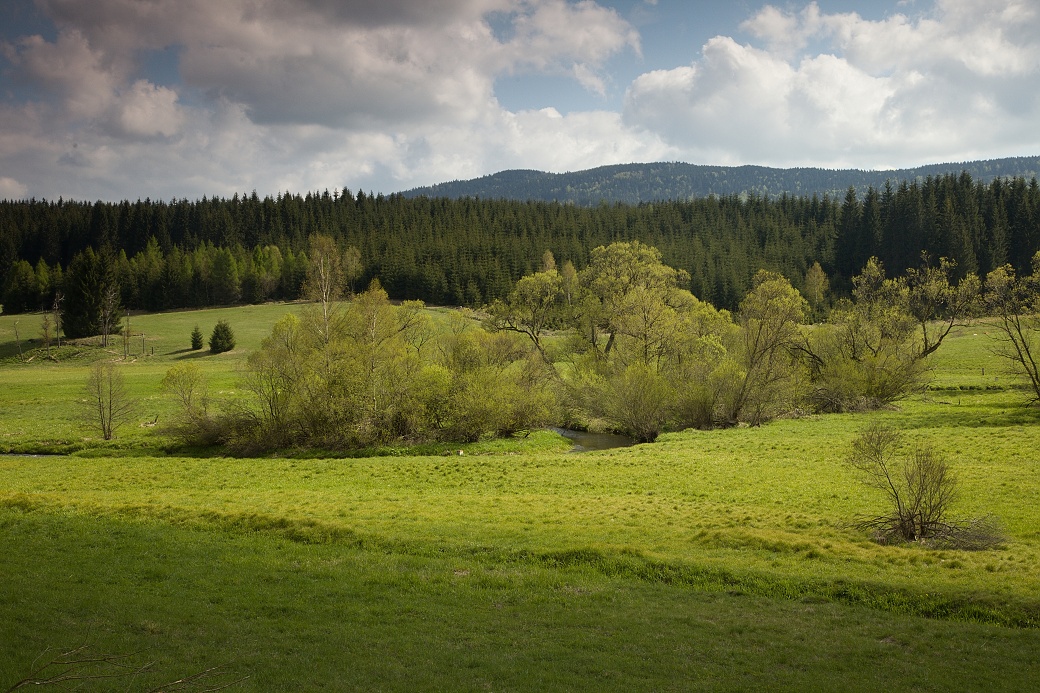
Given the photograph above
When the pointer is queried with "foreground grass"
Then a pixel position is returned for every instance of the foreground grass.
(295, 616)
(721, 560)
(765, 510)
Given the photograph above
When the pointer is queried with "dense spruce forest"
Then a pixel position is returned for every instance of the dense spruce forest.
(212, 251)
(636, 183)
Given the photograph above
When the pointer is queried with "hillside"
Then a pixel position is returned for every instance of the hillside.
(635, 183)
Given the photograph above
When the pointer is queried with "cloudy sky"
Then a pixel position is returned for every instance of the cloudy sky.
(114, 99)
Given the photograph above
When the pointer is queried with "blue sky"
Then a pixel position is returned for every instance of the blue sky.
(114, 99)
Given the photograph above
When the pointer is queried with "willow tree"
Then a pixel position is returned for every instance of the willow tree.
(769, 318)
(1015, 302)
(875, 347)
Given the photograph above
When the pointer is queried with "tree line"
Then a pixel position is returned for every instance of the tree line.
(157, 255)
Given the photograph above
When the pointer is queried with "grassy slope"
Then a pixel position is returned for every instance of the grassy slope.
(490, 566)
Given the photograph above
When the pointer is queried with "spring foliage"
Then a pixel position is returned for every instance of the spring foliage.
(620, 345)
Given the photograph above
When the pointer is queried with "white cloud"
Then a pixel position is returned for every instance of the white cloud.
(88, 91)
(149, 111)
(784, 33)
(541, 139)
(960, 82)
(356, 63)
(10, 189)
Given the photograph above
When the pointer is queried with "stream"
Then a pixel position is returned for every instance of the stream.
(585, 441)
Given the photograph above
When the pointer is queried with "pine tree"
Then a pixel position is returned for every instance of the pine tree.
(196, 339)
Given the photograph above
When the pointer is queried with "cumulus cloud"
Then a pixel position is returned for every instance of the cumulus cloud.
(958, 82)
(149, 111)
(302, 93)
(86, 89)
(355, 63)
(310, 94)
(68, 69)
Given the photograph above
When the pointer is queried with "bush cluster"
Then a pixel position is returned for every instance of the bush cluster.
(621, 345)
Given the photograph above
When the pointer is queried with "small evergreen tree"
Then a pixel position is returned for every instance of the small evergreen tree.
(196, 339)
(222, 339)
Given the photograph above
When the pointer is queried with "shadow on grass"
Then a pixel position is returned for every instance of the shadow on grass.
(976, 416)
(182, 354)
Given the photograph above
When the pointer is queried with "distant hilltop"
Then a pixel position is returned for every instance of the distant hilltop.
(635, 183)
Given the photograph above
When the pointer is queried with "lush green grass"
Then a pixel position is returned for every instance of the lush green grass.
(296, 616)
(718, 560)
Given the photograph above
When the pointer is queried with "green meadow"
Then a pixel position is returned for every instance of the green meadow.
(709, 560)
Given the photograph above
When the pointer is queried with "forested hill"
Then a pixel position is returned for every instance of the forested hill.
(217, 251)
(635, 183)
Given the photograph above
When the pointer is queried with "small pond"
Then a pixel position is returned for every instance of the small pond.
(585, 441)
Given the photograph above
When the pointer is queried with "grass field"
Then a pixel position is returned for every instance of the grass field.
(719, 560)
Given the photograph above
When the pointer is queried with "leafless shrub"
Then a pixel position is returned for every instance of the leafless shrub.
(920, 489)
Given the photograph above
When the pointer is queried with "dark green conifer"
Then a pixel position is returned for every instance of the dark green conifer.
(196, 339)
(222, 339)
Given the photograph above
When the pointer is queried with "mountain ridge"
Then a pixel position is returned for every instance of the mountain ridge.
(657, 181)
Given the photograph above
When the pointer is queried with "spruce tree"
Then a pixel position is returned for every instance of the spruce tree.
(222, 339)
(196, 339)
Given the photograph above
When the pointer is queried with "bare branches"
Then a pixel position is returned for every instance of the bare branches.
(81, 664)
(78, 664)
(192, 683)
(920, 489)
(108, 403)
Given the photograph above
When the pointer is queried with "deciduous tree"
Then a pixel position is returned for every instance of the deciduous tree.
(1015, 302)
(108, 404)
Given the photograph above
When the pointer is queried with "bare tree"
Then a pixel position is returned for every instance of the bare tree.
(109, 311)
(193, 424)
(126, 337)
(45, 332)
(56, 311)
(920, 489)
(108, 403)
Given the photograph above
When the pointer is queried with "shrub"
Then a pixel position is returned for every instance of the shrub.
(222, 339)
(196, 339)
(919, 489)
(636, 402)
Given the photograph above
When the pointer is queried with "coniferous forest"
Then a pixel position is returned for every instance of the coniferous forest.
(215, 251)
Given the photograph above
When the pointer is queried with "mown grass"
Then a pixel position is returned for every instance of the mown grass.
(722, 559)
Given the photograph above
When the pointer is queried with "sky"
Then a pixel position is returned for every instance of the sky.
(164, 99)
